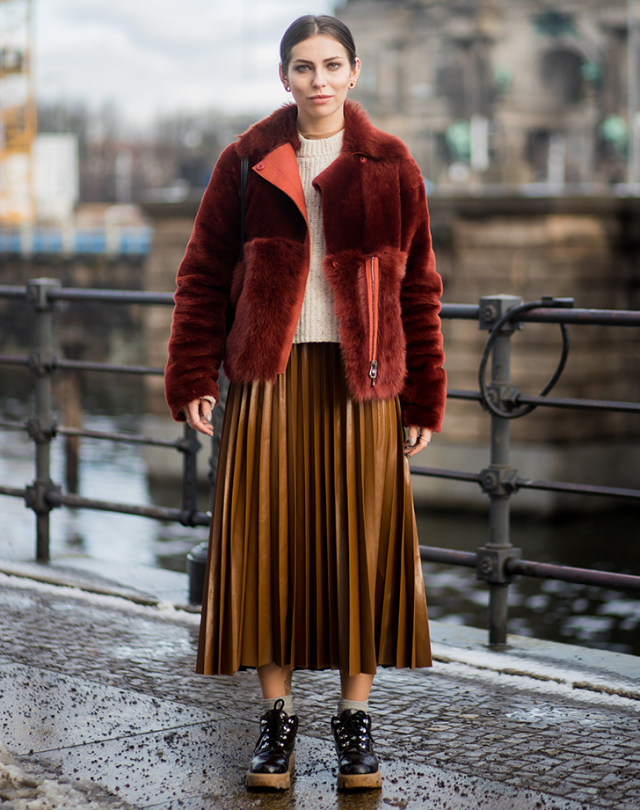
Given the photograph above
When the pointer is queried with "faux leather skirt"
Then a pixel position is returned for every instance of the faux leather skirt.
(313, 555)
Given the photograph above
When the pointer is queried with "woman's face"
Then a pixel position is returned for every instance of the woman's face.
(319, 75)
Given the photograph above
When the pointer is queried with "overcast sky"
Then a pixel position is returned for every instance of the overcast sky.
(151, 56)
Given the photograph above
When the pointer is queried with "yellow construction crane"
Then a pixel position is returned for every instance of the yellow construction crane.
(18, 124)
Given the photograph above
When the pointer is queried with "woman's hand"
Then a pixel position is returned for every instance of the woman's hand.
(418, 439)
(198, 415)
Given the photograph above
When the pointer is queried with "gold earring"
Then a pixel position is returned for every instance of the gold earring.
(352, 85)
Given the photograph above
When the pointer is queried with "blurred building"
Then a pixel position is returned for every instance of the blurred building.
(501, 91)
(54, 159)
(17, 112)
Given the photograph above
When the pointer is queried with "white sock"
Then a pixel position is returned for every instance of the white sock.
(354, 705)
(270, 703)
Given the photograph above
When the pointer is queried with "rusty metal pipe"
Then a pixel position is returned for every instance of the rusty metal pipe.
(448, 556)
(582, 576)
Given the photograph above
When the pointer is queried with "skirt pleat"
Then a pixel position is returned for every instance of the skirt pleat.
(313, 555)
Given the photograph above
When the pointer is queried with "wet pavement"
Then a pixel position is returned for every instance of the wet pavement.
(100, 708)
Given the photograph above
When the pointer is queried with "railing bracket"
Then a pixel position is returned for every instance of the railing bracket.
(505, 395)
(188, 518)
(36, 432)
(499, 481)
(188, 444)
(491, 564)
(37, 496)
(494, 307)
(41, 362)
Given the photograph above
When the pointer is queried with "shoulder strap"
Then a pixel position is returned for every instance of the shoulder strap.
(244, 179)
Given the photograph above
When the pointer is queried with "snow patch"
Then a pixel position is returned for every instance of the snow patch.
(27, 791)
(164, 610)
(524, 673)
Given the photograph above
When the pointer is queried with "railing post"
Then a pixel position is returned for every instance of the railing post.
(197, 557)
(42, 426)
(499, 478)
(190, 447)
(217, 421)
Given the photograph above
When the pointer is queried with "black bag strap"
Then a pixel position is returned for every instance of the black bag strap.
(244, 179)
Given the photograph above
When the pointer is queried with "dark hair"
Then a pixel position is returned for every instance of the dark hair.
(312, 26)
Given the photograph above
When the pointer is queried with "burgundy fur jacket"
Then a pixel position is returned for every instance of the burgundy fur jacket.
(379, 265)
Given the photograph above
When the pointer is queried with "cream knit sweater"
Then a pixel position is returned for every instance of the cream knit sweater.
(317, 322)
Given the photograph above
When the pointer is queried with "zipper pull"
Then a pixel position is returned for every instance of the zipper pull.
(373, 371)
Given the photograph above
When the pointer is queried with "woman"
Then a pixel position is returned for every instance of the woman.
(329, 330)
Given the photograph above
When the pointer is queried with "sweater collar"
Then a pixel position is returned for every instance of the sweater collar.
(320, 147)
(360, 136)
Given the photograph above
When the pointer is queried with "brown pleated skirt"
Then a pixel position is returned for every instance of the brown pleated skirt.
(313, 555)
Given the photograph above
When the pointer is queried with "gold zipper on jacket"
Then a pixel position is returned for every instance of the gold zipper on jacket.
(373, 367)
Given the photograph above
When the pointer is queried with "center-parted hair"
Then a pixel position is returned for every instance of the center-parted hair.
(312, 26)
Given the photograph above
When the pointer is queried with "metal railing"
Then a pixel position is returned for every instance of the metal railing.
(497, 562)
(43, 495)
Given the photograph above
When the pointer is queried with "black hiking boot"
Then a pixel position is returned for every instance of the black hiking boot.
(273, 758)
(358, 763)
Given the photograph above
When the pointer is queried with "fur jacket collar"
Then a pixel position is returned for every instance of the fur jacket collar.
(360, 136)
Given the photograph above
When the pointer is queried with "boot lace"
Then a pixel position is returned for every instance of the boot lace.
(354, 732)
(275, 727)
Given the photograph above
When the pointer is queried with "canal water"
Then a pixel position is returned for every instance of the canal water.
(546, 609)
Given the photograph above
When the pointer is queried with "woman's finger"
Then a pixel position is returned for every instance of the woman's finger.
(418, 439)
(205, 415)
(413, 436)
(191, 412)
(426, 435)
(195, 418)
(205, 410)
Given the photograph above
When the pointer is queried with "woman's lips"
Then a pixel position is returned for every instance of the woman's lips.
(320, 99)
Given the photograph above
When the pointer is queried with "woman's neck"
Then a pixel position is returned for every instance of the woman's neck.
(316, 129)
(309, 136)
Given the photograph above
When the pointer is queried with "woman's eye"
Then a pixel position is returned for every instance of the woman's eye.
(302, 68)
(334, 64)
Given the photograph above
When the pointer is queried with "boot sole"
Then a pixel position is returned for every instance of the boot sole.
(359, 781)
(275, 781)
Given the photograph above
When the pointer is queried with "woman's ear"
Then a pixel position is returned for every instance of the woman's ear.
(355, 73)
(283, 79)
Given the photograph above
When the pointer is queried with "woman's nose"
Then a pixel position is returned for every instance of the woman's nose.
(319, 79)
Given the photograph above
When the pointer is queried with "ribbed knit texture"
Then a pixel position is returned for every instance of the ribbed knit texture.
(317, 322)
(352, 705)
(270, 703)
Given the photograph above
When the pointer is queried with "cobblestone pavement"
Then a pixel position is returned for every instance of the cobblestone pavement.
(98, 691)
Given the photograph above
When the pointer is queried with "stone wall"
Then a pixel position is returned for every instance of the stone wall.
(566, 247)
(88, 331)
(172, 229)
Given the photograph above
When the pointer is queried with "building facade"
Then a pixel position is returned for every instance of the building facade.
(509, 92)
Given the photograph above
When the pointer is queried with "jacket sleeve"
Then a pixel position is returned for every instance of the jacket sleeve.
(425, 390)
(198, 328)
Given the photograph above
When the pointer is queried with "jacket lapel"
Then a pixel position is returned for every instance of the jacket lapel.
(280, 168)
